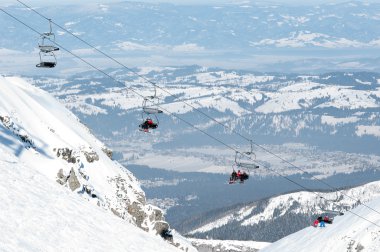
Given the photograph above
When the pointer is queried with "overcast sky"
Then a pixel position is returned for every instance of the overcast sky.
(311, 2)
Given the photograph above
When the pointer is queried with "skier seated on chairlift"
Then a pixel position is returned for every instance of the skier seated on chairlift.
(242, 176)
(325, 219)
(328, 220)
(235, 176)
(321, 221)
(148, 124)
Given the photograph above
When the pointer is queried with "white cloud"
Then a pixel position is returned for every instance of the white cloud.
(131, 46)
(84, 51)
(188, 48)
(8, 52)
(351, 64)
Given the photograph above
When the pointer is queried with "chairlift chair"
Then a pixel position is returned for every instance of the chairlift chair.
(47, 57)
(47, 47)
(149, 112)
(328, 210)
(47, 60)
(246, 160)
(243, 161)
(149, 105)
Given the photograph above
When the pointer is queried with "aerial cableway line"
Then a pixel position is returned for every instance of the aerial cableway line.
(192, 125)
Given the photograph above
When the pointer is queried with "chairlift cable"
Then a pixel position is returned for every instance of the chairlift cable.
(185, 102)
(198, 110)
(155, 85)
(195, 127)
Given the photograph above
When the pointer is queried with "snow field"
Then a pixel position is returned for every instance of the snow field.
(38, 215)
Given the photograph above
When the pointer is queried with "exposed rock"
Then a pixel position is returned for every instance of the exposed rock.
(91, 156)
(116, 213)
(156, 215)
(60, 174)
(108, 152)
(73, 180)
(161, 227)
(86, 177)
(7, 122)
(121, 189)
(137, 211)
(66, 154)
(60, 182)
(61, 178)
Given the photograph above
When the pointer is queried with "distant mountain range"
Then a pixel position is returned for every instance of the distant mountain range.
(327, 125)
(273, 218)
(336, 111)
(250, 35)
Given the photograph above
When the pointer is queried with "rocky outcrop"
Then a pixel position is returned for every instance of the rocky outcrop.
(136, 209)
(73, 180)
(91, 156)
(61, 178)
(145, 216)
(24, 137)
(66, 154)
(127, 200)
(70, 180)
(156, 215)
(108, 152)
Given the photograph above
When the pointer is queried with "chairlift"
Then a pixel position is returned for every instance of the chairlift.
(47, 57)
(328, 210)
(244, 163)
(47, 60)
(333, 212)
(150, 105)
(149, 113)
(246, 160)
(45, 38)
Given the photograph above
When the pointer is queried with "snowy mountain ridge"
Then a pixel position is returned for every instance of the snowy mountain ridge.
(267, 220)
(357, 231)
(326, 99)
(228, 245)
(329, 111)
(39, 134)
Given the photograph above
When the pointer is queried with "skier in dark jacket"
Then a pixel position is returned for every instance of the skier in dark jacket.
(243, 176)
(233, 177)
(148, 124)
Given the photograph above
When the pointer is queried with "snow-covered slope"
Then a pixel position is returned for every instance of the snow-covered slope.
(228, 245)
(268, 220)
(348, 233)
(38, 215)
(41, 142)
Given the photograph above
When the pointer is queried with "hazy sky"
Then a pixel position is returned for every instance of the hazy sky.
(303, 2)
